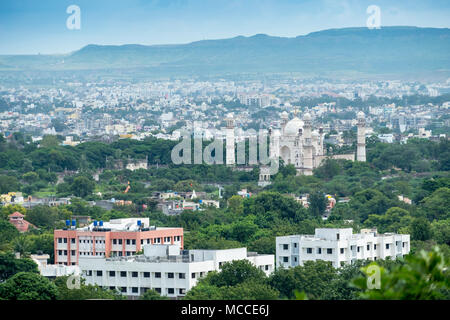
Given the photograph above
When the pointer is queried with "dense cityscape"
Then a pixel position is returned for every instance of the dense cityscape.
(151, 187)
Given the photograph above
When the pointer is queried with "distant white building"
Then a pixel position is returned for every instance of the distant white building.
(164, 268)
(340, 246)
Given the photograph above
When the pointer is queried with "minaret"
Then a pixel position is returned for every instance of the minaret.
(284, 120)
(230, 158)
(307, 146)
(361, 143)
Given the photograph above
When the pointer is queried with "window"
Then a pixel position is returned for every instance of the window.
(119, 241)
(342, 250)
(123, 289)
(193, 275)
(72, 240)
(368, 247)
(112, 288)
(146, 274)
(182, 275)
(128, 241)
(134, 274)
(337, 236)
(123, 274)
(375, 247)
(403, 244)
(308, 250)
(170, 290)
(295, 245)
(134, 289)
(358, 249)
(182, 291)
(295, 259)
(65, 240)
(285, 259)
(133, 242)
(112, 273)
(73, 252)
(59, 240)
(387, 245)
(158, 290)
(99, 273)
(319, 250)
(329, 251)
(157, 274)
(89, 273)
(266, 267)
(114, 241)
(285, 246)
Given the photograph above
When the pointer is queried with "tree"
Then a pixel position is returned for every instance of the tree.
(436, 205)
(28, 286)
(424, 276)
(235, 272)
(393, 220)
(441, 231)
(250, 291)
(328, 169)
(22, 245)
(9, 265)
(204, 291)
(30, 177)
(7, 231)
(152, 295)
(317, 203)
(420, 229)
(235, 204)
(49, 141)
(84, 292)
(82, 186)
(8, 184)
(43, 216)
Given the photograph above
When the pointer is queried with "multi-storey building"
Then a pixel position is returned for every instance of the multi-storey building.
(118, 237)
(339, 246)
(163, 268)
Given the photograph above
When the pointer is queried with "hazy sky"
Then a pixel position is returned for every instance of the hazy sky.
(39, 26)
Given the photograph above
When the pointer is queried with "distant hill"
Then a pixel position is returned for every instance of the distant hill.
(352, 50)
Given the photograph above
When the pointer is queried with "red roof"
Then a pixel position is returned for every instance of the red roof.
(16, 214)
(20, 224)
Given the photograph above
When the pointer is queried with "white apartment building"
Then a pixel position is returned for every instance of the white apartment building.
(163, 268)
(340, 246)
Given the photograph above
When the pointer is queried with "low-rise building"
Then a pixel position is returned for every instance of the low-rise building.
(340, 246)
(164, 268)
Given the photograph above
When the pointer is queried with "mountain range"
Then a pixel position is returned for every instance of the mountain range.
(388, 50)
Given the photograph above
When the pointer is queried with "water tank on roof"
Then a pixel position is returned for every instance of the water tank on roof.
(67, 222)
(101, 223)
(95, 223)
(139, 223)
(74, 223)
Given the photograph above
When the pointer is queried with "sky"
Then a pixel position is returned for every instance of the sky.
(39, 26)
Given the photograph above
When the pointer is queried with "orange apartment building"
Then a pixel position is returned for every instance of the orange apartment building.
(118, 237)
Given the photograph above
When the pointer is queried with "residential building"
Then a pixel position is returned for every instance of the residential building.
(118, 237)
(18, 221)
(164, 268)
(340, 246)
